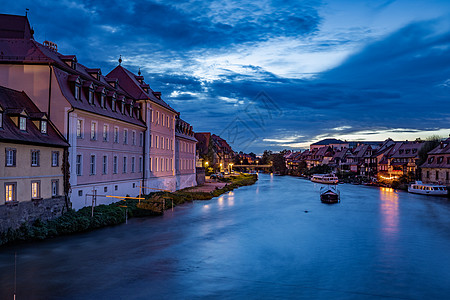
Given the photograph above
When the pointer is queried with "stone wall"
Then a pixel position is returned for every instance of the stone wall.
(200, 175)
(14, 215)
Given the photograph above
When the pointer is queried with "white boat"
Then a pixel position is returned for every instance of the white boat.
(428, 189)
(325, 178)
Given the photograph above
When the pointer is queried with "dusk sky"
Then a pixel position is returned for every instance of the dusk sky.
(271, 74)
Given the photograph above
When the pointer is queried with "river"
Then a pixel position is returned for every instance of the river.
(272, 240)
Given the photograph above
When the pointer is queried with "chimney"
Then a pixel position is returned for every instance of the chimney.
(52, 46)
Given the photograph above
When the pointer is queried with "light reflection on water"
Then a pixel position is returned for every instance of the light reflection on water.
(273, 240)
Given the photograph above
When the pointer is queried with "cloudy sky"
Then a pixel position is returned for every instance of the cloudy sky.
(272, 74)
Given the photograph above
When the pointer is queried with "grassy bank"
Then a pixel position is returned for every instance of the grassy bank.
(113, 214)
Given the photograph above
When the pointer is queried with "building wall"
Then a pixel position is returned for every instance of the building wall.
(185, 162)
(429, 175)
(35, 81)
(23, 174)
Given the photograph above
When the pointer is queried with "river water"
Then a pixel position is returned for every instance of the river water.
(272, 240)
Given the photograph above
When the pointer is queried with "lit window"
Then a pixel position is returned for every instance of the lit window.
(93, 131)
(79, 128)
(43, 126)
(55, 158)
(55, 188)
(10, 157)
(10, 192)
(35, 190)
(23, 123)
(92, 165)
(124, 164)
(78, 165)
(163, 120)
(35, 158)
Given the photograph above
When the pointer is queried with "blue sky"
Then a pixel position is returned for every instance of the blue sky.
(272, 74)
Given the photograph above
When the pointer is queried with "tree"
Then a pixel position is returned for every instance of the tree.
(278, 163)
(430, 143)
(265, 159)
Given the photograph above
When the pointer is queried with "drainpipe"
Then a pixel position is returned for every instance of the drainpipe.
(49, 90)
(144, 170)
(67, 186)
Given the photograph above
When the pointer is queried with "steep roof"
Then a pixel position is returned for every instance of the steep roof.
(130, 83)
(15, 27)
(14, 103)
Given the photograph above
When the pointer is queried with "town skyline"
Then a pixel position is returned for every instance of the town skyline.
(331, 69)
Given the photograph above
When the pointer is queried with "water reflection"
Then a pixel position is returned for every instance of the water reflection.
(389, 211)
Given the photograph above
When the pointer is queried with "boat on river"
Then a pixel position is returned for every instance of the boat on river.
(428, 189)
(325, 178)
(330, 194)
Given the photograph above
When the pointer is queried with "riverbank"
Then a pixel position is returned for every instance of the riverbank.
(117, 213)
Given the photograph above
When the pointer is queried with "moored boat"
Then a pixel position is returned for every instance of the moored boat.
(329, 194)
(325, 178)
(428, 189)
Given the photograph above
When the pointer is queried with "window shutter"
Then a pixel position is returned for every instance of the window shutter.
(14, 157)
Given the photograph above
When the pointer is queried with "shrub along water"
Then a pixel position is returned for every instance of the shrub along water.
(113, 214)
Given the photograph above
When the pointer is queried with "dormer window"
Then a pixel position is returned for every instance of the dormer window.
(102, 100)
(131, 109)
(23, 123)
(122, 107)
(77, 92)
(91, 96)
(113, 103)
(44, 127)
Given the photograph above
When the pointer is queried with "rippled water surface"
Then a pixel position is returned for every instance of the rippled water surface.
(272, 240)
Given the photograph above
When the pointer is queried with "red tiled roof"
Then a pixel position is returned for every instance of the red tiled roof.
(15, 27)
(9, 101)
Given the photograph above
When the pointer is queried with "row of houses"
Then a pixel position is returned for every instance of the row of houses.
(385, 160)
(214, 151)
(69, 130)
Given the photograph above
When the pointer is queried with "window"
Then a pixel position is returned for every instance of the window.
(77, 92)
(23, 123)
(1, 119)
(428, 174)
(162, 143)
(133, 162)
(79, 128)
(116, 135)
(102, 100)
(92, 165)
(113, 103)
(91, 97)
(122, 107)
(35, 190)
(80, 193)
(124, 164)
(55, 158)
(10, 192)
(161, 160)
(93, 130)
(10, 157)
(448, 160)
(35, 158)
(140, 165)
(151, 116)
(125, 136)
(437, 175)
(447, 175)
(105, 189)
(115, 165)
(167, 122)
(157, 117)
(440, 159)
(78, 164)
(163, 120)
(105, 164)
(171, 164)
(55, 187)
(141, 139)
(133, 138)
(105, 132)
(431, 159)
(156, 141)
(44, 127)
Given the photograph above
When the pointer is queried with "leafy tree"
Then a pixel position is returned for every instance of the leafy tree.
(278, 163)
(265, 159)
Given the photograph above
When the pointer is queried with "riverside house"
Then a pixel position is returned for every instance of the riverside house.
(33, 172)
(121, 133)
(436, 169)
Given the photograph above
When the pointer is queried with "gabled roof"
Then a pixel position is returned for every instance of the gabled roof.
(14, 101)
(129, 83)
